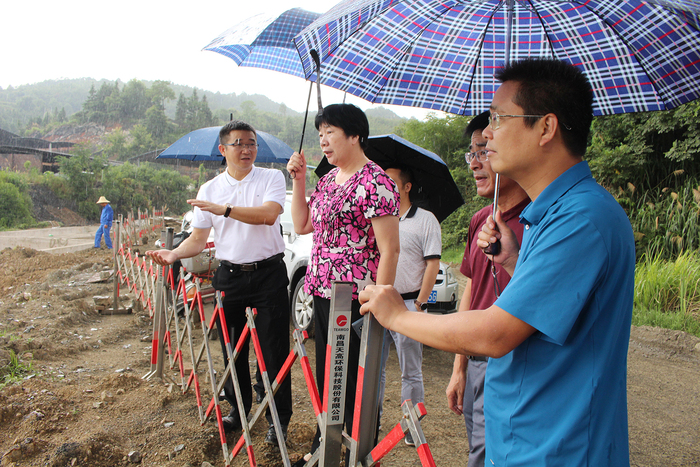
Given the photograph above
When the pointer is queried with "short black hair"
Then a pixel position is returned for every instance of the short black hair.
(351, 119)
(479, 122)
(554, 86)
(234, 125)
(405, 172)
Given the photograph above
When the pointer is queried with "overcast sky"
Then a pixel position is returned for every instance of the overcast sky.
(147, 40)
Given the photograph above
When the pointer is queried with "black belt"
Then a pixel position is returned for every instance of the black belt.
(253, 266)
(478, 359)
(410, 295)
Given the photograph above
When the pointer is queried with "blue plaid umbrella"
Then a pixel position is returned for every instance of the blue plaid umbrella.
(265, 41)
(441, 54)
(203, 145)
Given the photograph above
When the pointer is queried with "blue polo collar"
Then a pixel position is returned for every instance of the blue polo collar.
(536, 210)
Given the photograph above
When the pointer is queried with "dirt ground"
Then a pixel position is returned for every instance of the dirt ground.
(86, 404)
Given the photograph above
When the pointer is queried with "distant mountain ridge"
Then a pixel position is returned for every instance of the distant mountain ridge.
(18, 105)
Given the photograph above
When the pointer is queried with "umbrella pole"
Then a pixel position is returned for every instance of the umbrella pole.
(306, 115)
(317, 60)
(509, 29)
(293, 174)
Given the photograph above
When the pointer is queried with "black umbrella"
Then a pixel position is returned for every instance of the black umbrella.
(433, 187)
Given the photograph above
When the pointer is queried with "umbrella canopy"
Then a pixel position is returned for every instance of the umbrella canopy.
(265, 41)
(441, 54)
(433, 188)
(203, 145)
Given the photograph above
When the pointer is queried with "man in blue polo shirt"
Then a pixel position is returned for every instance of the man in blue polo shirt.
(556, 392)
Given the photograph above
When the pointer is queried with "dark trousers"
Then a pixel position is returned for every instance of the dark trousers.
(322, 309)
(266, 290)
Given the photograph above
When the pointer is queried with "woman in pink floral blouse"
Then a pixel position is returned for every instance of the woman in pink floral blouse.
(353, 216)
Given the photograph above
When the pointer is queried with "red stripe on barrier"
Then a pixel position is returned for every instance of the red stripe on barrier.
(212, 404)
(387, 444)
(311, 385)
(358, 403)
(220, 423)
(242, 339)
(251, 456)
(154, 351)
(237, 448)
(181, 363)
(258, 350)
(421, 409)
(214, 315)
(326, 377)
(286, 367)
(167, 339)
(202, 318)
(426, 457)
(196, 389)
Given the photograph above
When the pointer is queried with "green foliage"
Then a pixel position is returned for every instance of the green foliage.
(24, 104)
(445, 137)
(645, 148)
(160, 93)
(192, 113)
(130, 187)
(667, 293)
(142, 141)
(157, 124)
(82, 173)
(57, 184)
(135, 100)
(452, 255)
(15, 206)
(116, 145)
(666, 222)
(14, 371)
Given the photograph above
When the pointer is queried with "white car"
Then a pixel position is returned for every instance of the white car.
(443, 298)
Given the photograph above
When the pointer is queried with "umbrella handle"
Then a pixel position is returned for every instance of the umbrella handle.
(495, 248)
(317, 60)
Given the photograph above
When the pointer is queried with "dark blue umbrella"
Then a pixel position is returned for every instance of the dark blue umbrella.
(203, 145)
(433, 188)
(441, 54)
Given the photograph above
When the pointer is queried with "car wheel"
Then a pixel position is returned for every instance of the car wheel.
(302, 308)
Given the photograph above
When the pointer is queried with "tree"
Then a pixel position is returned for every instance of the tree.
(157, 123)
(181, 111)
(131, 187)
(645, 148)
(135, 99)
(116, 145)
(160, 92)
(15, 207)
(142, 140)
(83, 173)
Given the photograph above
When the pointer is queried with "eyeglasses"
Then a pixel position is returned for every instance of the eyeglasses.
(480, 156)
(495, 119)
(240, 146)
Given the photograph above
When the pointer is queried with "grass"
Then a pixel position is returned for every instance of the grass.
(667, 293)
(14, 371)
(453, 255)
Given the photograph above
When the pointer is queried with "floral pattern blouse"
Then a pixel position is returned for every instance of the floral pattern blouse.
(344, 246)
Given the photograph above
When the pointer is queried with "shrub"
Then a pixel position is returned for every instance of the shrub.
(667, 293)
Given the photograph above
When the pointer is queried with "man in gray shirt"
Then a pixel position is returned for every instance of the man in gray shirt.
(417, 268)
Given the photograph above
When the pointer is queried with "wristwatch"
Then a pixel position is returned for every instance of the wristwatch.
(422, 306)
(228, 210)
